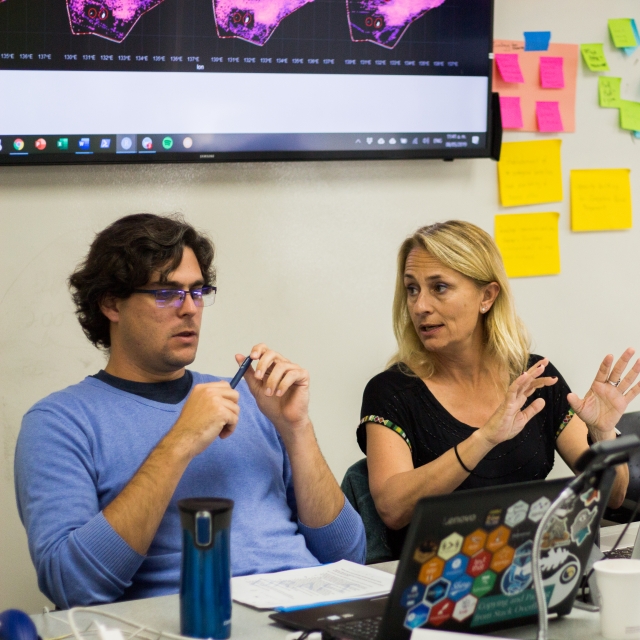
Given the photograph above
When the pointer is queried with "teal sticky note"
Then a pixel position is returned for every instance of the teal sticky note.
(536, 40)
(630, 50)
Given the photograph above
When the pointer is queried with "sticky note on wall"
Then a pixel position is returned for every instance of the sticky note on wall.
(530, 172)
(529, 243)
(594, 58)
(509, 67)
(629, 115)
(622, 33)
(549, 118)
(609, 92)
(551, 72)
(536, 40)
(510, 112)
(600, 199)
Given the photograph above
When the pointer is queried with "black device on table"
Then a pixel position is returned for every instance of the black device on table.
(466, 564)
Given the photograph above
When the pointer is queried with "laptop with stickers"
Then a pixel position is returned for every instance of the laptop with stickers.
(466, 564)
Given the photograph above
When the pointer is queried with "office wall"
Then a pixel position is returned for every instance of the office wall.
(306, 260)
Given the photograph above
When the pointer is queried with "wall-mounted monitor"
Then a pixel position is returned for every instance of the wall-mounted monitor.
(219, 80)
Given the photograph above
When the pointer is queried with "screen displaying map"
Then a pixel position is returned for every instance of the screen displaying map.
(279, 75)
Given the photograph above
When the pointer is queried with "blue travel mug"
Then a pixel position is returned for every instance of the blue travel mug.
(205, 575)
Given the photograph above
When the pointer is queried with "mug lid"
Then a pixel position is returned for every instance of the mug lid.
(213, 505)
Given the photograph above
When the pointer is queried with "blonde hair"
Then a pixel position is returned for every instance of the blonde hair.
(469, 250)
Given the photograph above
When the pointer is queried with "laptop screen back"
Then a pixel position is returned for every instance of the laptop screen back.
(466, 563)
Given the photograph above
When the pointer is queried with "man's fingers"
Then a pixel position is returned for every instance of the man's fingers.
(266, 361)
(292, 377)
(211, 389)
(227, 430)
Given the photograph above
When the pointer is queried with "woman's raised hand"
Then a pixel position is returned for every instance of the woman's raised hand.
(608, 396)
(509, 420)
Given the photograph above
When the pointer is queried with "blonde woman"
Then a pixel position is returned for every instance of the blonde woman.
(455, 410)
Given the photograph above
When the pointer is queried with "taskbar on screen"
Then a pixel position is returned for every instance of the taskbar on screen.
(14, 149)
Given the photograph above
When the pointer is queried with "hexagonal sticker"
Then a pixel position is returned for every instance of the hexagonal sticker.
(498, 538)
(464, 608)
(417, 616)
(455, 567)
(441, 612)
(502, 559)
(483, 584)
(437, 591)
(412, 595)
(450, 545)
(431, 570)
(479, 563)
(460, 587)
(539, 508)
(493, 518)
(425, 551)
(516, 513)
(474, 542)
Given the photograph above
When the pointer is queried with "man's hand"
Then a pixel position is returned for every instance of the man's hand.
(211, 411)
(280, 388)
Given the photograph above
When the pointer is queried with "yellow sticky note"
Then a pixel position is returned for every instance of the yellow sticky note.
(600, 199)
(530, 172)
(529, 243)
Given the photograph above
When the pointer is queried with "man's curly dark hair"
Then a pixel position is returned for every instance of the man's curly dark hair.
(124, 256)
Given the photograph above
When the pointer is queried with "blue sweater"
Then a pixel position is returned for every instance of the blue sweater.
(79, 447)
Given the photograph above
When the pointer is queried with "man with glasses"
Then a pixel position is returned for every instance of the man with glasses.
(101, 465)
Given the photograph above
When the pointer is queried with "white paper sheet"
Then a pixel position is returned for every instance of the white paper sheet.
(435, 634)
(341, 580)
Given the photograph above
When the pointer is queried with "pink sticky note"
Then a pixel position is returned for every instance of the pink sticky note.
(551, 72)
(509, 67)
(549, 118)
(511, 112)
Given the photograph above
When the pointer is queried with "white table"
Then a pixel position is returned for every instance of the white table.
(248, 624)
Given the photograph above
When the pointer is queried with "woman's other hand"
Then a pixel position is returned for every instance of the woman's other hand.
(608, 396)
(509, 420)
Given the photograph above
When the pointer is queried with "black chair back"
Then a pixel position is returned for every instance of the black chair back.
(630, 423)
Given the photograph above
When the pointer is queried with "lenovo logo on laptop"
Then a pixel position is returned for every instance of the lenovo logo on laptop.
(447, 522)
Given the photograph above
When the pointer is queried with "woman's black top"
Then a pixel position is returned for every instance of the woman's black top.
(404, 404)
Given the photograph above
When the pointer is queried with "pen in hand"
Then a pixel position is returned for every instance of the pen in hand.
(246, 363)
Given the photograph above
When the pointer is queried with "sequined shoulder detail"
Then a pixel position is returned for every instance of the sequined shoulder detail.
(565, 422)
(390, 425)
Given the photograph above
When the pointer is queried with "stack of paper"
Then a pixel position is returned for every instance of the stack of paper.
(342, 580)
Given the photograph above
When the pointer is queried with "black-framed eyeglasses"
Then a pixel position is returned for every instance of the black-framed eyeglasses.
(201, 296)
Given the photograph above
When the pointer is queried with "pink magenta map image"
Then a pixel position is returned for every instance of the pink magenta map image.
(381, 22)
(384, 22)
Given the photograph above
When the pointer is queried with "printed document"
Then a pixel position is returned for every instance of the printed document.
(341, 580)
